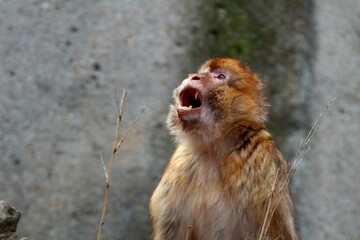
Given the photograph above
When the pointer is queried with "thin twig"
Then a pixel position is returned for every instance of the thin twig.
(109, 170)
(103, 165)
(120, 110)
(128, 129)
(119, 105)
(303, 149)
(304, 146)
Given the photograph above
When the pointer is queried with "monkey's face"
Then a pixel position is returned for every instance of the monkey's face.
(222, 94)
(193, 95)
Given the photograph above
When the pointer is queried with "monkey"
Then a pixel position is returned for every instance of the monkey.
(226, 167)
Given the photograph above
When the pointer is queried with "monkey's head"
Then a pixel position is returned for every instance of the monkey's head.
(222, 97)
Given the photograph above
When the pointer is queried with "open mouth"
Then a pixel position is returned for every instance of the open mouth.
(190, 98)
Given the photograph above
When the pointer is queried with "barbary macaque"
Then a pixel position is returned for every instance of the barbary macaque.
(226, 167)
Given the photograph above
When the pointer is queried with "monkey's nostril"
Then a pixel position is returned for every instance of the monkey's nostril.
(195, 78)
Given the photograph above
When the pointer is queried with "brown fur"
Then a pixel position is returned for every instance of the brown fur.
(220, 177)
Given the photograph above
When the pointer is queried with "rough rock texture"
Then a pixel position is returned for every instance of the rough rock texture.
(61, 61)
(9, 218)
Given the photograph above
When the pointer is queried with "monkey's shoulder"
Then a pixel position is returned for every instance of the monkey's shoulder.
(258, 148)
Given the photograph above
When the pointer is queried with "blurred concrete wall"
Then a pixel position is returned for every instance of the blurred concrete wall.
(327, 184)
(60, 62)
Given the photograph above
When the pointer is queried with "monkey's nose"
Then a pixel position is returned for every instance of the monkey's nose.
(195, 77)
(198, 76)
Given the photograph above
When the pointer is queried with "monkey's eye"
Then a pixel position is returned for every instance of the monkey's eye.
(220, 76)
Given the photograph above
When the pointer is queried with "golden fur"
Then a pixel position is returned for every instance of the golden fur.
(219, 179)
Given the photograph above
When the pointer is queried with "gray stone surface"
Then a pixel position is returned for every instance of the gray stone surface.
(60, 62)
(327, 182)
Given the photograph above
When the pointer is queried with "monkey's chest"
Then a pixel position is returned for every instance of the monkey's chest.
(203, 205)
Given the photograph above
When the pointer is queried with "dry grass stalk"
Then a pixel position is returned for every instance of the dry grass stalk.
(188, 233)
(116, 145)
(268, 214)
(275, 198)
